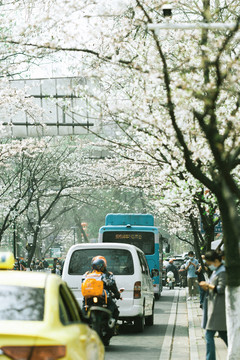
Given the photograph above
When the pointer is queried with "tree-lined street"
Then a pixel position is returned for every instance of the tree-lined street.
(146, 94)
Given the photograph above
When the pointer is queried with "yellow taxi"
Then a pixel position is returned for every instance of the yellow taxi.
(40, 318)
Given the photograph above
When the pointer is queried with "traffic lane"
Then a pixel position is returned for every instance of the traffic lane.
(147, 345)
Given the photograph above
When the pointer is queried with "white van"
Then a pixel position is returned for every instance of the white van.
(129, 265)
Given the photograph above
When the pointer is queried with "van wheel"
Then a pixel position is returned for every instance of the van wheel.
(149, 320)
(139, 323)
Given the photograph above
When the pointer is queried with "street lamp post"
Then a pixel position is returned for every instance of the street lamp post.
(14, 239)
(74, 234)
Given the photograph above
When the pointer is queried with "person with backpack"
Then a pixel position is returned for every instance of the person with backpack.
(104, 284)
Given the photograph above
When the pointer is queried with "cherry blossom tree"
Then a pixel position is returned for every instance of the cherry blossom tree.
(175, 93)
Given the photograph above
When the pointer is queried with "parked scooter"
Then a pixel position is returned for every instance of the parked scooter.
(101, 319)
(170, 280)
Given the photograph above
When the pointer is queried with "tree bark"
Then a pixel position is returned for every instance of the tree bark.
(194, 225)
(80, 228)
(233, 321)
(231, 230)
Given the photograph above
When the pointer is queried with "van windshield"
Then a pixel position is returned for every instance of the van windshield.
(119, 261)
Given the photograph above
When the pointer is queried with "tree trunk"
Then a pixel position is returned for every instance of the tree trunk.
(34, 244)
(209, 237)
(231, 231)
(194, 225)
(83, 233)
(80, 229)
(233, 321)
(208, 227)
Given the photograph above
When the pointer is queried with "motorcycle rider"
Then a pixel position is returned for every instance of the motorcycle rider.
(172, 267)
(99, 264)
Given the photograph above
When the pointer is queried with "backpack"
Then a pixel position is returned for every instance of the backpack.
(93, 284)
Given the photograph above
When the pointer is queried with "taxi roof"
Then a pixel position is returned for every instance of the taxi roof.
(23, 278)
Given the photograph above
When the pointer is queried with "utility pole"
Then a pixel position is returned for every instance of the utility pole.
(74, 234)
(14, 239)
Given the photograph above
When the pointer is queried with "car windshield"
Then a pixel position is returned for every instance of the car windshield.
(119, 261)
(21, 303)
(143, 240)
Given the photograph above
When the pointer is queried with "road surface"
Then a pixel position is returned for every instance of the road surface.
(147, 345)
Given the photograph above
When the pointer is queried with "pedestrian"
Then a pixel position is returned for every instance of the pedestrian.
(23, 265)
(33, 265)
(40, 266)
(45, 263)
(58, 268)
(216, 315)
(55, 261)
(201, 277)
(191, 266)
(16, 264)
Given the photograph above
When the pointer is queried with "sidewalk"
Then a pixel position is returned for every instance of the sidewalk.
(197, 334)
(185, 339)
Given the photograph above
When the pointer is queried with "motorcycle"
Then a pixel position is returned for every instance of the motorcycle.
(101, 319)
(170, 280)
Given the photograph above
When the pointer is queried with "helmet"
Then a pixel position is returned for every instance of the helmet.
(102, 258)
(99, 263)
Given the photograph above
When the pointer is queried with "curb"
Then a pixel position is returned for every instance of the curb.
(166, 349)
(192, 336)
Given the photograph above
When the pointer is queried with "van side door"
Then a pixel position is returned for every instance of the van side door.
(147, 287)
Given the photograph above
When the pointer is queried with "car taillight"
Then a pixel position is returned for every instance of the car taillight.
(34, 352)
(137, 290)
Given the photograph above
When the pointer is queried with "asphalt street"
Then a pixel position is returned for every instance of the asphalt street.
(147, 345)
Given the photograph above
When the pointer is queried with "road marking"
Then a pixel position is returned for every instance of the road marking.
(168, 338)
